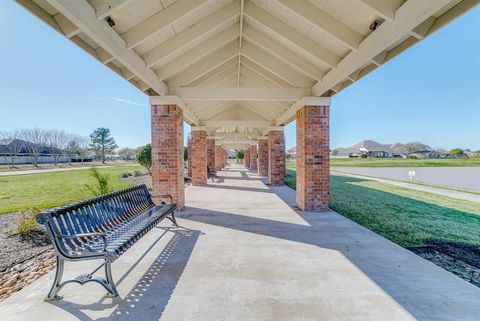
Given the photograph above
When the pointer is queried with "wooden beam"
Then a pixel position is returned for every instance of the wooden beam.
(297, 39)
(104, 8)
(325, 22)
(204, 49)
(156, 23)
(408, 16)
(237, 123)
(209, 24)
(274, 48)
(204, 65)
(305, 101)
(81, 13)
(239, 93)
(188, 114)
(384, 8)
(276, 67)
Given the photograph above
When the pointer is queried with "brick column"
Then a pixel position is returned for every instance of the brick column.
(263, 157)
(167, 153)
(218, 157)
(199, 157)
(225, 157)
(211, 153)
(246, 157)
(313, 166)
(276, 157)
(253, 157)
(189, 155)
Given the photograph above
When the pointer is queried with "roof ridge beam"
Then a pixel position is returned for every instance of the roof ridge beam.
(213, 21)
(159, 21)
(296, 38)
(82, 14)
(319, 18)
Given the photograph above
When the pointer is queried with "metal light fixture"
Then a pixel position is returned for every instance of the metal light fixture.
(110, 21)
(374, 25)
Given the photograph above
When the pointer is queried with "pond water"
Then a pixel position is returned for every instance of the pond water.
(456, 177)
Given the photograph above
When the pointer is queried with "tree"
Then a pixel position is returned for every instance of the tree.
(334, 152)
(144, 157)
(13, 145)
(126, 153)
(239, 155)
(36, 140)
(57, 141)
(185, 153)
(102, 142)
(457, 152)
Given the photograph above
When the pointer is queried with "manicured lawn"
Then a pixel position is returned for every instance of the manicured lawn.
(406, 217)
(400, 162)
(45, 190)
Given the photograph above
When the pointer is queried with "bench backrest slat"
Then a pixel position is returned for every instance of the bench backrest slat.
(100, 214)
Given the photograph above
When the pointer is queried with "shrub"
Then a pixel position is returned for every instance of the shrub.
(138, 173)
(102, 186)
(144, 157)
(28, 223)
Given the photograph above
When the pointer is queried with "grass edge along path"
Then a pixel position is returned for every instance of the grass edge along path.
(407, 217)
(53, 189)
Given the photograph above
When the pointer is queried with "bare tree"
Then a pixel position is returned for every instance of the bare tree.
(57, 141)
(126, 153)
(36, 140)
(13, 146)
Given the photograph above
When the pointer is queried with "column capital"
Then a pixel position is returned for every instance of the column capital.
(272, 129)
(262, 137)
(199, 128)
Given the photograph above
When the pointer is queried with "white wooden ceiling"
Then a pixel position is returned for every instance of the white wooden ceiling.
(239, 67)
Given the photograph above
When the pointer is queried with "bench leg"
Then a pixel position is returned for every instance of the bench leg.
(174, 221)
(57, 282)
(109, 284)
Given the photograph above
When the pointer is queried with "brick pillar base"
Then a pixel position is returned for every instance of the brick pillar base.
(263, 157)
(313, 168)
(189, 156)
(253, 157)
(199, 157)
(218, 157)
(246, 158)
(167, 153)
(211, 153)
(276, 157)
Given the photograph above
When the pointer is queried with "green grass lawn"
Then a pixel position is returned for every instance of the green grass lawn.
(45, 190)
(404, 216)
(401, 162)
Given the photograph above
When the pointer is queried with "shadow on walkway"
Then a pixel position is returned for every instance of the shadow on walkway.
(149, 297)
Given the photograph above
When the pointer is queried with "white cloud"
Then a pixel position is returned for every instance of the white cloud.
(123, 101)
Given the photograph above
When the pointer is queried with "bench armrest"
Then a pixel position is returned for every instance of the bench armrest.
(103, 236)
(167, 195)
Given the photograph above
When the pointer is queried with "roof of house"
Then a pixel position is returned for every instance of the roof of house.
(372, 146)
(292, 150)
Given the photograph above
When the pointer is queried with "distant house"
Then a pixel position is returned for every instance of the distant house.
(292, 152)
(365, 148)
(22, 150)
(425, 154)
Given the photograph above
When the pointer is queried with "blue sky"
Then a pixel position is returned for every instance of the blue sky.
(430, 93)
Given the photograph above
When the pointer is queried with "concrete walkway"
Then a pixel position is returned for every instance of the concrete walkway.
(243, 253)
(424, 188)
